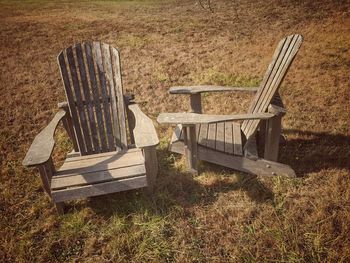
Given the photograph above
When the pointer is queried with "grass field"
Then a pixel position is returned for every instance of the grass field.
(221, 215)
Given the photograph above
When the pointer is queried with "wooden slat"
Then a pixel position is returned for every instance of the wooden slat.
(267, 75)
(228, 138)
(188, 118)
(78, 100)
(88, 104)
(220, 137)
(98, 164)
(116, 66)
(96, 98)
(59, 182)
(71, 102)
(200, 89)
(237, 139)
(107, 64)
(211, 136)
(74, 157)
(203, 134)
(99, 189)
(269, 89)
(104, 92)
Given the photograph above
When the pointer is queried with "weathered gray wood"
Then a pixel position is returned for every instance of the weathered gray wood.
(186, 118)
(116, 65)
(257, 167)
(195, 103)
(177, 133)
(71, 101)
(211, 135)
(78, 100)
(44, 179)
(228, 137)
(60, 182)
(101, 163)
(191, 149)
(99, 189)
(107, 65)
(151, 163)
(203, 134)
(220, 137)
(272, 138)
(282, 60)
(43, 144)
(201, 89)
(68, 125)
(87, 101)
(104, 93)
(144, 131)
(237, 139)
(96, 99)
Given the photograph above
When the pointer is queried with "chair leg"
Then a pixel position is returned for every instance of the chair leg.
(191, 148)
(151, 164)
(272, 138)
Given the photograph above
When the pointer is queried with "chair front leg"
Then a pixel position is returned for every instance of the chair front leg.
(190, 147)
(151, 164)
(272, 138)
(47, 171)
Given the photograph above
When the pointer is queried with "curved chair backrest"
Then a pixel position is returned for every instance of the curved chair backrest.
(281, 61)
(91, 74)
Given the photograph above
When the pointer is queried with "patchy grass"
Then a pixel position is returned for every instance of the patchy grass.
(221, 215)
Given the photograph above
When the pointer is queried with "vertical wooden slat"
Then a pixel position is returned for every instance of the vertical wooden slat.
(96, 97)
(285, 56)
(116, 67)
(211, 135)
(220, 137)
(78, 99)
(88, 103)
(203, 134)
(104, 93)
(237, 147)
(72, 107)
(107, 64)
(228, 138)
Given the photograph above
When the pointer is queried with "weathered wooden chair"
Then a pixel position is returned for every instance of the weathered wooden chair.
(95, 118)
(217, 139)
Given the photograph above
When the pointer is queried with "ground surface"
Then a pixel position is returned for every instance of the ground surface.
(221, 215)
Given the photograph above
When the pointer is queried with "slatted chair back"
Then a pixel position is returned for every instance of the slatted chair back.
(282, 59)
(91, 74)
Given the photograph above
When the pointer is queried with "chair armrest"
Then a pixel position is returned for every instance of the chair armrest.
(144, 132)
(187, 118)
(200, 89)
(41, 149)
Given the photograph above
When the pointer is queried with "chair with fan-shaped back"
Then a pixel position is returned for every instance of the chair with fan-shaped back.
(222, 139)
(114, 142)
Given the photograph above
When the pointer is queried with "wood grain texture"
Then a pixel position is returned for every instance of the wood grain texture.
(282, 59)
(187, 118)
(99, 189)
(41, 149)
(202, 89)
(144, 132)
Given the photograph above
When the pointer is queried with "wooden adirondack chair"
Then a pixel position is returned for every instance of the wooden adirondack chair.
(220, 140)
(95, 118)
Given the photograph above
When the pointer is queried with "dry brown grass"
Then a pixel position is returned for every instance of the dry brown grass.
(221, 215)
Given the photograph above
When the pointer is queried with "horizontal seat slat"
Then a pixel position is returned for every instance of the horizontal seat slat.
(98, 189)
(59, 182)
(101, 163)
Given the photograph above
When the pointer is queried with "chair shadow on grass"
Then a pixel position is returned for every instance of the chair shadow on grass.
(309, 152)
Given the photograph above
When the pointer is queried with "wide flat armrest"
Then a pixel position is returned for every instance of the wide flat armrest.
(200, 89)
(41, 149)
(187, 118)
(144, 132)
